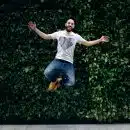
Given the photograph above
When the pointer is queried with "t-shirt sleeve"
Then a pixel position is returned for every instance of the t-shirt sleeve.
(54, 35)
(80, 39)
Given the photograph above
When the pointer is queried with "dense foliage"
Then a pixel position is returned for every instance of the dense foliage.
(102, 86)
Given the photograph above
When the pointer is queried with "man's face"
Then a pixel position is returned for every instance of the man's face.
(69, 25)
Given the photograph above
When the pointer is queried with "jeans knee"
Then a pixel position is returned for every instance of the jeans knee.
(46, 72)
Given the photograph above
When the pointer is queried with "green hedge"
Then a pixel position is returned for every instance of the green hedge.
(102, 87)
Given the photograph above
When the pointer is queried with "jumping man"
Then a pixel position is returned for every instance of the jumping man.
(61, 69)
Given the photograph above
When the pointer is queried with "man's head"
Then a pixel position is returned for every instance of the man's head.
(69, 25)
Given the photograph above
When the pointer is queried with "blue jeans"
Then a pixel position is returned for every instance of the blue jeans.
(61, 68)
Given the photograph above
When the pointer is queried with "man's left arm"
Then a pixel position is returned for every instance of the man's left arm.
(94, 42)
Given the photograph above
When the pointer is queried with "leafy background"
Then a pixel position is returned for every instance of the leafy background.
(102, 71)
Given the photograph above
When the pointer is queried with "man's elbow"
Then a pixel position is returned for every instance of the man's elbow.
(86, 43)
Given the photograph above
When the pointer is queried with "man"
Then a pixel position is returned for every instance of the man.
(61, 69)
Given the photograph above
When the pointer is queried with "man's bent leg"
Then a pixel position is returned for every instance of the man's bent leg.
(52, 72)
(69, 77)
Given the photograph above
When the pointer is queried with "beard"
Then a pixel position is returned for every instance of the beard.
(68, 28)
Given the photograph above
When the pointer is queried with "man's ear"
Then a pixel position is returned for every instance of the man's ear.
(65, 24)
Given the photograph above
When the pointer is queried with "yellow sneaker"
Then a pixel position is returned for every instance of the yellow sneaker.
(54, 85)
(57, 83)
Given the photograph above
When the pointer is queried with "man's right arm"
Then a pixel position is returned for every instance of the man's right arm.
(42, 35)
(33, 27)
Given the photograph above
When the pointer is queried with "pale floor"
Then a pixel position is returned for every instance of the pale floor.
(65, 127)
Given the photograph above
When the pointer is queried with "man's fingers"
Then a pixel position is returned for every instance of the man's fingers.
(105, 38)
(30, 22)
(31, 25)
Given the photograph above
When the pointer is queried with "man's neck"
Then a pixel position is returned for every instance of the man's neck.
(68, 32)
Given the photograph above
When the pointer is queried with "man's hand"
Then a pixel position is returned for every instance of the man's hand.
(104, 39)
(31, 25)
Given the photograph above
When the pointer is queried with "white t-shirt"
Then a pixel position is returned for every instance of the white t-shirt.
(66, 44)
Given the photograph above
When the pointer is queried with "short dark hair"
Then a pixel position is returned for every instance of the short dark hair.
(73, 19)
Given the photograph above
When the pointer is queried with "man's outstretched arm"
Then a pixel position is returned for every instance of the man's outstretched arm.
(94, 42)
(33, 27)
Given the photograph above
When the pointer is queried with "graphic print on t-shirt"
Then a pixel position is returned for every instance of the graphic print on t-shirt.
(65, 42)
